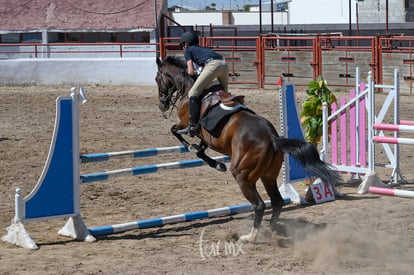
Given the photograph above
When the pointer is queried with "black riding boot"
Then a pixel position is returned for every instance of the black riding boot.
(194, 127)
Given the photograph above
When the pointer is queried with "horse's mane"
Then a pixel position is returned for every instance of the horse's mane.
(175, 61)
(181, 79)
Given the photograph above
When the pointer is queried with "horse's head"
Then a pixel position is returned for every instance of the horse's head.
(171, 81)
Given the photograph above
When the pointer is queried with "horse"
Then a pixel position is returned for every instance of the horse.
(256, 149)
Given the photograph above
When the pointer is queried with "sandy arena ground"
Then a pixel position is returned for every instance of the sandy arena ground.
(360, 234)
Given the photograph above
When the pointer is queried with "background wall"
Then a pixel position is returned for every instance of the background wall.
(108, 71)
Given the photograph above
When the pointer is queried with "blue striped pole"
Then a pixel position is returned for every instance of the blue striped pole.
(224, 211)
(142, 153)
(147, 169)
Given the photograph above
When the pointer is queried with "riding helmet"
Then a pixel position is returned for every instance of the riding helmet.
(190, 38)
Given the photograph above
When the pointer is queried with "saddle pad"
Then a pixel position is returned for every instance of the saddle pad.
(217, 113)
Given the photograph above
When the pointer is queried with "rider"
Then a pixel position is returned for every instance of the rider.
(211, 64)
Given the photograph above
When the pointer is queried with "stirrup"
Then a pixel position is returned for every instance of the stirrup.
(184, 131)
(190, 131)
(193, 130)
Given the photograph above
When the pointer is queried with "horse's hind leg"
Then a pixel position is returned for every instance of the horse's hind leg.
(276, 199)
(250, 192)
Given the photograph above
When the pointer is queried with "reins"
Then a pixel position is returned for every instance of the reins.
(174, 94)
(173, 99)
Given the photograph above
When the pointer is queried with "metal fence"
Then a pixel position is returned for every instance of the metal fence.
(77, 50)
(261, 60)
(258, 61)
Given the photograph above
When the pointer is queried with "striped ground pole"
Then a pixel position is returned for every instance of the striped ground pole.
(147, 169)
(393, 140)
(142, 153)
(155, 222)
(392, 192)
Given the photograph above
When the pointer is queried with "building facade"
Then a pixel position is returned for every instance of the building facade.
(74, 42)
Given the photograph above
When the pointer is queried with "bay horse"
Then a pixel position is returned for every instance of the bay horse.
(252, 142)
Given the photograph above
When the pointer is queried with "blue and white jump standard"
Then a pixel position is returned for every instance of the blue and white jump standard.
(57, 193)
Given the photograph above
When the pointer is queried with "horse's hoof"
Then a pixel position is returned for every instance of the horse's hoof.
(278, 228)
(193, 148)
(247, 239)
(221, 167)
(338, 193)
(251, 237)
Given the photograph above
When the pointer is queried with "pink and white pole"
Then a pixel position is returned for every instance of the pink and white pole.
(392, 192)
(407, 122)
(394, 127)
(393, 140)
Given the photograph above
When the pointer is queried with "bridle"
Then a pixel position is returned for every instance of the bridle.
(168, 99)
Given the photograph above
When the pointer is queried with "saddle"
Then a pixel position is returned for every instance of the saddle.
(217, 106)
(215, 94)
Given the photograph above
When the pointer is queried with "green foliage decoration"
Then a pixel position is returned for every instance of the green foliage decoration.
(311, 116)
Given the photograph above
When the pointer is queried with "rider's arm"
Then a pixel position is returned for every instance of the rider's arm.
(190, 68)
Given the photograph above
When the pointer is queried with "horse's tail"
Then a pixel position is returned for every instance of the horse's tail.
(308, 156)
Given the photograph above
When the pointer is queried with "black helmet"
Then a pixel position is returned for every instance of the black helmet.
(190, 38)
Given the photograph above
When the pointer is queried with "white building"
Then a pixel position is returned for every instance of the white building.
(374, 11)
(319, 12)
(307, 12)
(229, 18)
(74, 42)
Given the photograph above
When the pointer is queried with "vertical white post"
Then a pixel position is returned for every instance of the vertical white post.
(371, 118)
(396, 173)
(76, 149)
(44, 42)
(75, 227)
(325, 127)
(357, 117)
(18, 205)
(283, 128)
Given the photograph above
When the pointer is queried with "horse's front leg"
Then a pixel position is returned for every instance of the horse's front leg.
(193, 148)
(218, 165)
(199, 150)
(174, 130)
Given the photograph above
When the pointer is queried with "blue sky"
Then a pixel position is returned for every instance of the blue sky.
(220, 4)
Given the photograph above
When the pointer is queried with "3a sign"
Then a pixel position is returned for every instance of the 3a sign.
(322, 192)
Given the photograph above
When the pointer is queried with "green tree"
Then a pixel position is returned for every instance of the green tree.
(212, 7)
